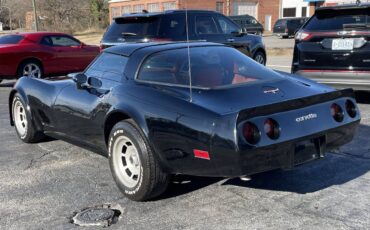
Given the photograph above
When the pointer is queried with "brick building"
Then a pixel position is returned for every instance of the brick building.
(267, 12)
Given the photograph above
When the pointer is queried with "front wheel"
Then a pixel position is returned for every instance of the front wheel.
(31, 69)
(133, 164)
(23, 123)
(260, 57)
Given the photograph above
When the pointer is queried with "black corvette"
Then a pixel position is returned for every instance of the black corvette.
(134, 104)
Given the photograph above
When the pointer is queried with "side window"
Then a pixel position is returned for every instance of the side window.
(205, 25)
(63, 41)
(227, 26)
(46, 41)
(108, 66)
(161, 67)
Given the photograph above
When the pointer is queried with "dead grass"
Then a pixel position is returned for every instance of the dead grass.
(90, 36)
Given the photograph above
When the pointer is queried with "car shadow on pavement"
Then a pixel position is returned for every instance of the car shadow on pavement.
(183, 184)
(338, 167)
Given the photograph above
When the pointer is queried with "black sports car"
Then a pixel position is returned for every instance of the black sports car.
(135, 104)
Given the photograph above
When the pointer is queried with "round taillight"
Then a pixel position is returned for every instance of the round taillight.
(272, 129)
(351, 108)
(337, 112)
(251, 133)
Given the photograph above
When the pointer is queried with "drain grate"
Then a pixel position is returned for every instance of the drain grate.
(102, 215)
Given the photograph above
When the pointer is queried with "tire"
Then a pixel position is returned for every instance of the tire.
(133, 164)
(30, 69)
(22, 122)
(1, 80)
(260, 57)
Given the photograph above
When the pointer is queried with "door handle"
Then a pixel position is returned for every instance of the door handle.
(230, 40)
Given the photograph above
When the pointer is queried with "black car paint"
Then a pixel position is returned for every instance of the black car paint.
(314, 58)
(246, 43)
(289, 27)
(176, 126)
(246, 22)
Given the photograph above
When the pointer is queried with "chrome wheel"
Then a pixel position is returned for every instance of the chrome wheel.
(31, 70)
(260, 59)
(20, 118)
(126, 161)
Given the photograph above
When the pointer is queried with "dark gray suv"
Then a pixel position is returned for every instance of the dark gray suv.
(171, 26)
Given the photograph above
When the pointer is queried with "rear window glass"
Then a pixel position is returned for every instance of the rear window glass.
(10, 39)
(210, 67)
(280, 23)
(339, 20)
(123, 29)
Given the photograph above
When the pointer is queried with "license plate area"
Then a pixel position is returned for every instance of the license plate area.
(309, 150)
(342, 44)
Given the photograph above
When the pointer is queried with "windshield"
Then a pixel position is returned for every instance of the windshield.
(339, 20)
(210, 67)
(10, 39)
(123, 29)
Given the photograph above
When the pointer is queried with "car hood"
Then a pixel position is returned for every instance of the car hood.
(236, 98)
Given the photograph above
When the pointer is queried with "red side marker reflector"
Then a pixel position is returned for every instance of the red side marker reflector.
(201, 154)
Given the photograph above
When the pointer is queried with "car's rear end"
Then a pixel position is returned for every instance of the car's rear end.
(285, 134)
(333, 47)
(8, 54)
(281, 28)
(145, 27)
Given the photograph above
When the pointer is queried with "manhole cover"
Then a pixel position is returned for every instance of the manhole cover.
(103, 215)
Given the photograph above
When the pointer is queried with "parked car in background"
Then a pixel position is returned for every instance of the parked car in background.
(248, 23)
(43, 54)
(334, 47)
(287, 27)
(134, 105)
(171, 26)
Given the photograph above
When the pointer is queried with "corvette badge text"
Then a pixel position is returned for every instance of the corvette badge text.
(307, 117)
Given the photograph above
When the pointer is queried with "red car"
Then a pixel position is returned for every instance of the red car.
(43, 54)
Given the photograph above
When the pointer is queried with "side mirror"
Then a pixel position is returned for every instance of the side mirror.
(94, 82)
(80, 80)
(82, 45)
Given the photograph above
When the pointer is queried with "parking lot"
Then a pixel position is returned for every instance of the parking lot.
(42, 185)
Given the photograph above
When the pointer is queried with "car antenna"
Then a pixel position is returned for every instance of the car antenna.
(188, 43)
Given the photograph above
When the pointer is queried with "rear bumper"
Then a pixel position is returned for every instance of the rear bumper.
(281, 34)
(286, 155)
(359, 80)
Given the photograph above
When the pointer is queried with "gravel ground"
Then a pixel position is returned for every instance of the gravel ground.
(42, 185)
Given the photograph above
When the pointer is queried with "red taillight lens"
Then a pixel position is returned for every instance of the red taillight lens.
(303, 36)
(272, 129)
(337, 112)
(251, 133)
(351, 108)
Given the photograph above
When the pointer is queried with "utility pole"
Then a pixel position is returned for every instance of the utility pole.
(35, 15)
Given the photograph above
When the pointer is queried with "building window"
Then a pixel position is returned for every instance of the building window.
(289, 12)
(154, 7)
(220, 7)
(169, 6)
(126, 9)
(138, 8)
(116, 11)
(304, 11)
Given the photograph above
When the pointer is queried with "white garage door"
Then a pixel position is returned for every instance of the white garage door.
(245, 8)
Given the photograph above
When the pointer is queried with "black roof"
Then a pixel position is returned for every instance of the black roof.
(152, 14)
(129, 48)
(344, 7)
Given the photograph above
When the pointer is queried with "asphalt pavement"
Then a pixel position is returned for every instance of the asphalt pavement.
(42, 185)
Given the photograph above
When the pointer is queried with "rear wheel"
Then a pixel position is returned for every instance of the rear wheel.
(30, 69)
(134, 167)
(260, 57)
(22, 122)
